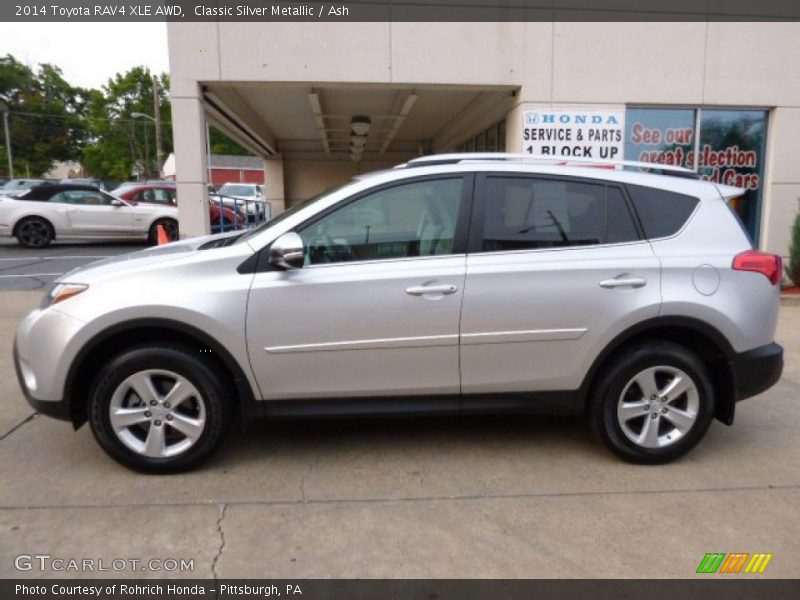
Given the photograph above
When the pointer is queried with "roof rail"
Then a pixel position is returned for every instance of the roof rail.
(566, 161)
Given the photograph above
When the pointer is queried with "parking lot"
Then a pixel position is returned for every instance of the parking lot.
(31, 269)
(514, 497)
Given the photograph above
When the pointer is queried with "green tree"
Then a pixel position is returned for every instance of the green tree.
(45, 116)
(793, 268)
(222, 144)
(122, 146)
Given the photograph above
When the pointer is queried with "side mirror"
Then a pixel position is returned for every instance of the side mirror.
(287, 251)
(117, 203)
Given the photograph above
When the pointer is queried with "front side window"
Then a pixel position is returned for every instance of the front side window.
(412, 219)
(526, 213)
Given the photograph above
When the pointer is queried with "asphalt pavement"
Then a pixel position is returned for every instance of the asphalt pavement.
(24, 269)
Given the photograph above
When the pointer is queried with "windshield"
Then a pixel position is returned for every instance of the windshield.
(237, 190)
(22, 184)
(289, 212)
(121, 189)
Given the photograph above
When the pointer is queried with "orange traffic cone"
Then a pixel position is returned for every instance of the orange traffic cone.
(162, 236)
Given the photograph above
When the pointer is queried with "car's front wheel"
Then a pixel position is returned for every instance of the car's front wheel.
(34, 232)
(158, 409)
(653, 403)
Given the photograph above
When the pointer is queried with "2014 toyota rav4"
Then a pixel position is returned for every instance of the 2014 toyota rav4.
(454, 283)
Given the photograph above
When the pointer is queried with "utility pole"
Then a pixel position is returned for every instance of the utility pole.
(208, 153)
(4, 108)
(157, 114)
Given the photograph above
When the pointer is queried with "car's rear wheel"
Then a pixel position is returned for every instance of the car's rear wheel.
(170, 227)
(34, 232)
(158, 409)
(653, 403)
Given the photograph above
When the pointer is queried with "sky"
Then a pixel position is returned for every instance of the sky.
(88, 53)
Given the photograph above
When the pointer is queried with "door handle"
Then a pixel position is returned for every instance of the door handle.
(633, 282)
(421, 290)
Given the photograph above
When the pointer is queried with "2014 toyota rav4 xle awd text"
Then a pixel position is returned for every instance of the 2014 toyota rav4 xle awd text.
(451, 284)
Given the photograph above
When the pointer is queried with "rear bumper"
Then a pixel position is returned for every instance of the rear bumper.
(756, 370)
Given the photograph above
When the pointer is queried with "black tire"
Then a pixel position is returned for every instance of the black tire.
(180, 361)
(662, 360)
(171, 227)
(34, 232)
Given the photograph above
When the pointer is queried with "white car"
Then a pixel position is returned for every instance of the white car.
(80, 212)
(247, 196)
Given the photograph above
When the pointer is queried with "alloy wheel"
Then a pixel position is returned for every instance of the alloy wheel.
(34, 234)
(658, 406)
(157, 413)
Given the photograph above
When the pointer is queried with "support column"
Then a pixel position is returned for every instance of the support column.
(514, 141)
(191, 171)
(275, 192)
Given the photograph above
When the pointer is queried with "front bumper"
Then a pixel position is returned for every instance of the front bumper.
(756, 370)
(56, 409)
(44, 348)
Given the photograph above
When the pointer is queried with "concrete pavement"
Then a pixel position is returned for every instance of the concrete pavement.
(469, 497)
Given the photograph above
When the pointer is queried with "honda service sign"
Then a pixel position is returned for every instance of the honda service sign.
(596, 134)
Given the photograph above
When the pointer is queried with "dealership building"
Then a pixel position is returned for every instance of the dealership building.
(321, 102)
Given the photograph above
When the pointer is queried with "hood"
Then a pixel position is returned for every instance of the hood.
(143, 258)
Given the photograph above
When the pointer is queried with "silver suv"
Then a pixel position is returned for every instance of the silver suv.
(450, 284)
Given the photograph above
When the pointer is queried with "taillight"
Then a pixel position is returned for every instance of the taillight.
(769, 265)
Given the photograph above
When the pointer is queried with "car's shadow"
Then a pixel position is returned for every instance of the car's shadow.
(259, 440)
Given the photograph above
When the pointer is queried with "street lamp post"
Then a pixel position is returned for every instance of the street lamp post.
(4, 108)
(157, 113)
(157, 121)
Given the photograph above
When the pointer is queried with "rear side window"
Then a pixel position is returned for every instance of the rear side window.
(527, 213)
(662, 213)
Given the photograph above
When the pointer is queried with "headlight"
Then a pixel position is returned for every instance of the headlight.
(61, 292)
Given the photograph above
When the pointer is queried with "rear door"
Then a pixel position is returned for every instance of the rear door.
(556, 268)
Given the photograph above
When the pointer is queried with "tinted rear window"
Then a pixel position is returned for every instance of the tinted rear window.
(662, 213)
(527, 213)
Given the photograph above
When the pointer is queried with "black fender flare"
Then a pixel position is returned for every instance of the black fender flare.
(723, 376)
(247, 400)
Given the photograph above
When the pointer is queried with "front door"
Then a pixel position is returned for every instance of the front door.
(92, 213)
(375, 310)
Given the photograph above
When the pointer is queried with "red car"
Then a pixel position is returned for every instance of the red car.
(165, 194)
